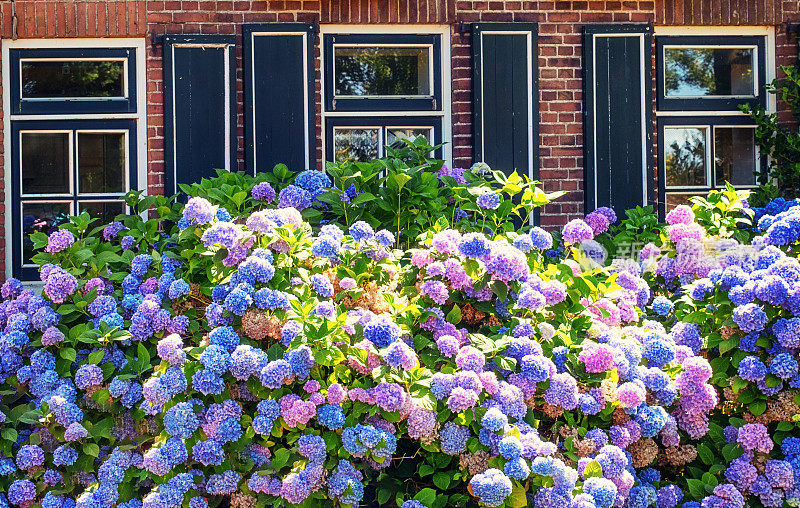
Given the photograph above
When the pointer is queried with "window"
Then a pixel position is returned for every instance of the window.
(64, 168)
(95, 80)
(363, 139)
(379, 90)
(704, 140)
(76, 117)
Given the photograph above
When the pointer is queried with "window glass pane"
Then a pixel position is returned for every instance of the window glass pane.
(396, 135)
(382, 71)
(45, 162)
(678, 198)
(356, 145)
(61, 79)
(699, 72)
(101, 162)
(685, 156)
(44, 217)
(735, 155)
(106, 211)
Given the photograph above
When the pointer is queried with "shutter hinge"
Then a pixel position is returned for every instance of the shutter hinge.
(434, 103)
(333, 104)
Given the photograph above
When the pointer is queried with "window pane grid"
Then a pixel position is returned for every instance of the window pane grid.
(715, 75)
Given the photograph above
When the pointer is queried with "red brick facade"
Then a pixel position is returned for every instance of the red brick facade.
(560, 81)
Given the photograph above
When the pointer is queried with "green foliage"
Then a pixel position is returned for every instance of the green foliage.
(781, 144)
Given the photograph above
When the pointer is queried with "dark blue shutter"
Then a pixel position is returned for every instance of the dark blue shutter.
(618, 102)
(505, 100)
(199, 107)
(280, 124)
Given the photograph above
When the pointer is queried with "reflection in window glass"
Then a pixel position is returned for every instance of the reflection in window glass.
(735, 155)
(700, 72)
(678, 198)
(101, 162)
(685, 156)
(45, 163)
(395, 136)
(62, 79)
(44, 217)
(364, 71)
(106, 211)
(355, 145)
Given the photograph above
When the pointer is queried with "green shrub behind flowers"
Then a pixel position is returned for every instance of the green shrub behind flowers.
(277, 352)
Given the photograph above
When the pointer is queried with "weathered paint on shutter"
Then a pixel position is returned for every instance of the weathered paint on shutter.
(200, 107)
(280, 122)
(618, 105)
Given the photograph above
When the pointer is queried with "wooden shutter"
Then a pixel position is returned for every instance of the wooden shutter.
(618, 103)
(199, 107)
(280, 124)
(505, 100)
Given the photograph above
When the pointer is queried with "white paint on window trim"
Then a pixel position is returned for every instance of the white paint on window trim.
(442, 31)
(140, 116)
(768, 32)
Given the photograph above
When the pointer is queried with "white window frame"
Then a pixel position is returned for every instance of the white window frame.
(443, 32)
(732, 31)
(770, 70)
(140, 116)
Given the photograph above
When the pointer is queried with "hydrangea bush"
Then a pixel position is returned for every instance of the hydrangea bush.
(244, 356)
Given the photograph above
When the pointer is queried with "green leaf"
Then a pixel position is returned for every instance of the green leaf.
(383, 496)
(506, 363)
(280, 459)
(593, 468)
(758, 407)
(442, 480)
(696, 488)
(426, 496)
(68, 354)
(144, 357)
(91, 449)
(425, 470)
(10, 435)
(705, 453)
(731, 451)
(95, 357)
(499, 288)
(518, 497)
(454, 316)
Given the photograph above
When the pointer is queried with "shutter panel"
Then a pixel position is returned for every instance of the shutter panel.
(618, 103)
(199, 107)
(280, 124)
(505, 96)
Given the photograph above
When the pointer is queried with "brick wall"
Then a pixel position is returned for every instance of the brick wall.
(560, 80)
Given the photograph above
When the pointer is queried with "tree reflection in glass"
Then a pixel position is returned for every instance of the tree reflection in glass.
(355, 145)
(699, 72)
(685, 156)
(81, 78)
(363, 71)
